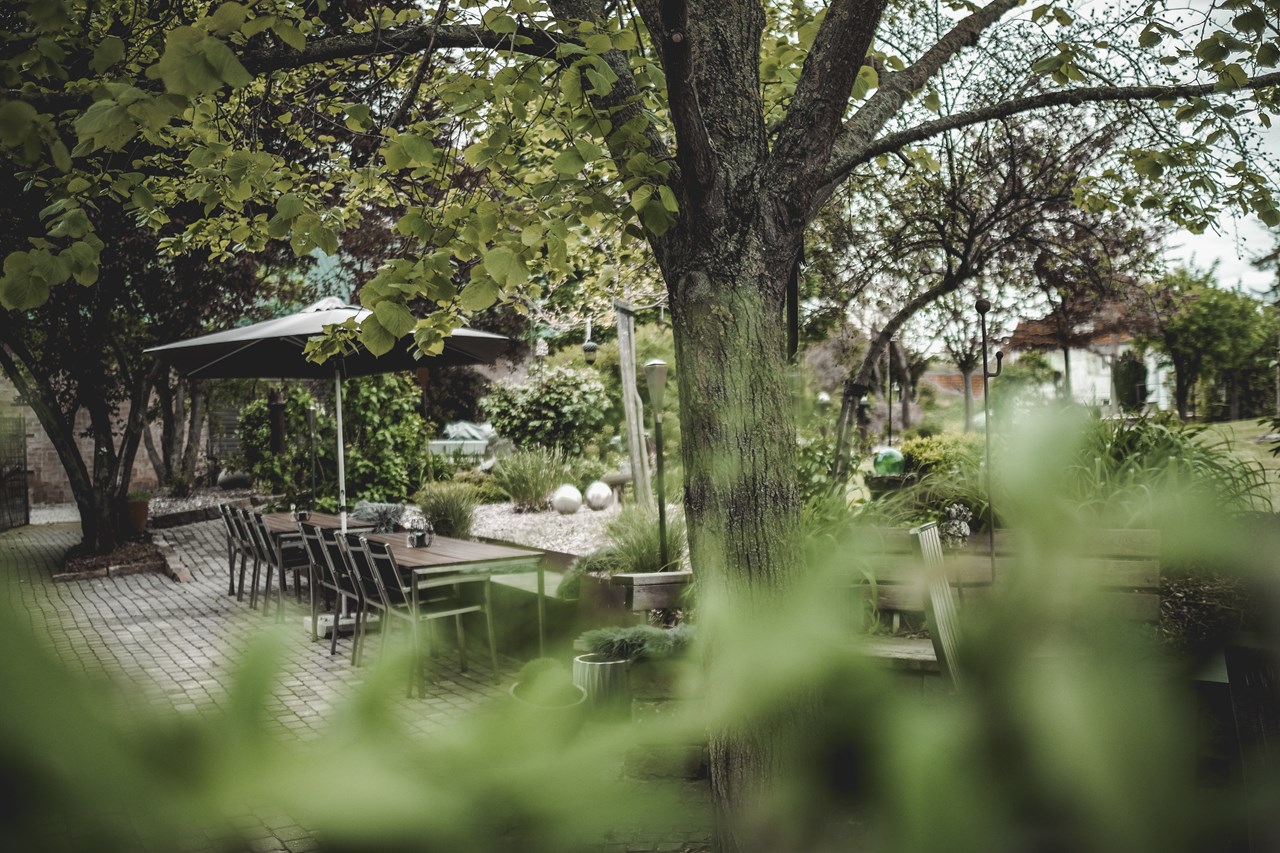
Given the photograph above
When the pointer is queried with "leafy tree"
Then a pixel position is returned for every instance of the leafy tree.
(556, 408)
(711, 131)
(1130, 380)
(1202, 330)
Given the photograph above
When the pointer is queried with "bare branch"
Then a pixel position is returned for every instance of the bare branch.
(1056, 98)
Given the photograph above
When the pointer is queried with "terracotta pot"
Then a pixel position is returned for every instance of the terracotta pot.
(136, 515)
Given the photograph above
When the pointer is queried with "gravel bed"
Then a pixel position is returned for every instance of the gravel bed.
(580, 533)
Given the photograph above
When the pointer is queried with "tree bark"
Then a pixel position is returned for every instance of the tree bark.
(1066, 374)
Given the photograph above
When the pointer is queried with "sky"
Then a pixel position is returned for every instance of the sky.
(1238, 243)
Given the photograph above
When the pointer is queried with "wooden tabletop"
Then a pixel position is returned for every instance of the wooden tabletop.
(284, 522)
(445, 554)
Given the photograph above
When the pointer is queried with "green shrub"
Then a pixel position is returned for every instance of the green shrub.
(449, 507)
(944, 452)
(384, 516)
(814, 455)
(486, 487)
(529, 476)
(601, 562)
(557, 407)
(636, 642)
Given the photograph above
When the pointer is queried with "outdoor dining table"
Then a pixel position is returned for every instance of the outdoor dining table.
(446, 556)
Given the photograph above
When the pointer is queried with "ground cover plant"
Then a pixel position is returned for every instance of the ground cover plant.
(529, 476)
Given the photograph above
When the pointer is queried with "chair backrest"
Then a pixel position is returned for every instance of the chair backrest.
(236, 523)
(225, 511)
(313, 539)
(339, 564)
(358, 560)
(383, 563)
(259, 538)
(940, 604)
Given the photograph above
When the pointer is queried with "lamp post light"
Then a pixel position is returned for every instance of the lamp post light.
(982, 306)
(589, 349)
(655, 373)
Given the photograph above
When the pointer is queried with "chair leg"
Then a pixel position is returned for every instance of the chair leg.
(415, 660)
(462, 643)
(266, 589)
(493, 647)
(253, 583)
(297, 584)
(231, 563)
(357, 630)
(244, 565)
(337, 617)
(315, 603)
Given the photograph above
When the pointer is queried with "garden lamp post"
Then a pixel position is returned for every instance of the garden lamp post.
(983, 306)
(655, 373)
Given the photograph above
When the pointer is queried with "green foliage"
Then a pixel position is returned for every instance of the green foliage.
(1122, 465)
(945, 452)
(386, 444)
(386, 437)
(635, 545)
(584, 471)
(556, 407)
(814, 455)
(485, 486)
(637, 642)
(529, 476)
(449, 507)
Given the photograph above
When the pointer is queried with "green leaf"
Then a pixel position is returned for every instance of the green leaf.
(108, 52)
(932, 102)
(17, 119)
(395, 318)
(505, 266)
(290, 35)
(1268, 55)
(569, 163)
(479, 294)
(374, 337)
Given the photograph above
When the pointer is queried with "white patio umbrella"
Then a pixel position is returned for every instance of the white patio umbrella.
(273, 349)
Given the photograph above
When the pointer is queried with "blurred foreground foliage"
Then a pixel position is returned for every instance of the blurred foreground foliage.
(1072, 734)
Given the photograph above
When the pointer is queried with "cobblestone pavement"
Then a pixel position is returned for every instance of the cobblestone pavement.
(177, 643)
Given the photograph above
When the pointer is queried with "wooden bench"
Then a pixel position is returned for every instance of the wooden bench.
(917, 587)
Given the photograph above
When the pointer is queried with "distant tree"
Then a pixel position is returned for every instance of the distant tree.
(1203, 330)
(1129, 376)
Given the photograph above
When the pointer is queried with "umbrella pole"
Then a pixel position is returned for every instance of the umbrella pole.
(342, 469)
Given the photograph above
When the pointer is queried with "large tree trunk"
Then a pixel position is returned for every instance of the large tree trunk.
(742, 502)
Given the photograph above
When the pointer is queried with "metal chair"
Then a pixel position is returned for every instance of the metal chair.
(248, 550)
(287, 556)
(349, 589)
(329, 573)
(235, 546)
(415, 601)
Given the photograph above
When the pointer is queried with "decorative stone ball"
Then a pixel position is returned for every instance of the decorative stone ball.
(229, 479)
(599, 495)
(566, 500)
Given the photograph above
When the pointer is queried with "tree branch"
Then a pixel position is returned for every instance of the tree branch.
(1057, 98)
(806, 135)
(897, 89)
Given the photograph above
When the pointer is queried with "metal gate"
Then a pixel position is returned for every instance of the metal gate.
(15, 507)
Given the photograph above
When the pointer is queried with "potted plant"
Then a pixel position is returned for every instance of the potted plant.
(136, 508)
(616, 657)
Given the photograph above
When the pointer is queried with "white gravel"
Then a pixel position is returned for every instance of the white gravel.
(580, 533)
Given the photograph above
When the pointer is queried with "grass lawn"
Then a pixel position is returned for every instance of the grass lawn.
(1242, 435)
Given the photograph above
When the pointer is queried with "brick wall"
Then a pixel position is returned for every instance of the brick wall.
(47, 482)
(954, 382)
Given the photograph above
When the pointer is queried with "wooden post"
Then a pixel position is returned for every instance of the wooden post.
(631, 404)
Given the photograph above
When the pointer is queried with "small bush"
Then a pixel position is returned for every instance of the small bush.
(602, 562)
(559, 407)
(486, 487)
(585, 471)
(529, 476)
(944, 452)
(449, 507)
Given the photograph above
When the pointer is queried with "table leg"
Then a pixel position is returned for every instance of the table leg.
(542, 585)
